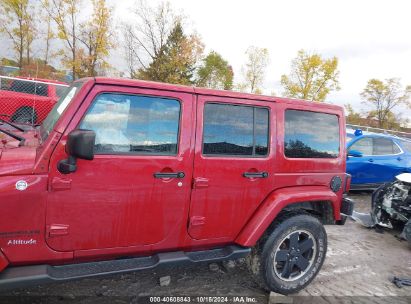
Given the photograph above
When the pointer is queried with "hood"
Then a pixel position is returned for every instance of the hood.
(404, 177)
(15, 159)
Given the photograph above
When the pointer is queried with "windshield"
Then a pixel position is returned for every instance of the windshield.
(58, 109)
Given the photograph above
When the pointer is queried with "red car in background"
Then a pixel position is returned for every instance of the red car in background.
(28, 100)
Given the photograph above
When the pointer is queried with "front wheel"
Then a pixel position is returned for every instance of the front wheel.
(291, 256)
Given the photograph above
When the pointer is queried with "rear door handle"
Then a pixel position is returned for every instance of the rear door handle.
(169, 175)
(255, 174)
(371, 160)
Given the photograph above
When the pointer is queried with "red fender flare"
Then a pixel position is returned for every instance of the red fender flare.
(276, 201)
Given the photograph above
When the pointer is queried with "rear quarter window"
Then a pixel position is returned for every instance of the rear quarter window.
(311, 135)
(385, 146)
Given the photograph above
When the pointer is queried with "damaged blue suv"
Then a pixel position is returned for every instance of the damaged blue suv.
(374, 159)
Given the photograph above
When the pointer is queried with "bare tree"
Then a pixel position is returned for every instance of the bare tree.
(145, 38)
(383, 97)
(49, 37)
(64, 14)
(47, 33)
(130, 50)
(29, 29)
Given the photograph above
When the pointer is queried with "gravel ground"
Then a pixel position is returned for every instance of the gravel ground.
(357, 269)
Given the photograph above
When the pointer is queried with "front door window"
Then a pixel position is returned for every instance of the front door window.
(134, 124)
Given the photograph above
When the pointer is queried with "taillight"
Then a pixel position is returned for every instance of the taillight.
(347, 183)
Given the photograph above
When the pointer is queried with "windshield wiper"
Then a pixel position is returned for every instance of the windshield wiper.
(19, 138)
(12, 124)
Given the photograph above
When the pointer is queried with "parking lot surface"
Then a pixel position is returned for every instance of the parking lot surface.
(357, 269)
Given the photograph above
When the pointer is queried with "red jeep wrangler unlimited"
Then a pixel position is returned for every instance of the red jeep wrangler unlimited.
(126, 175)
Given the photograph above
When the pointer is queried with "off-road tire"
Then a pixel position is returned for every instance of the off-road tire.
(261, 260)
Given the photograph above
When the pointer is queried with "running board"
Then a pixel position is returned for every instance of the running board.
(23, 276)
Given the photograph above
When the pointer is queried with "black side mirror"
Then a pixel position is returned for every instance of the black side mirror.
(80, 144)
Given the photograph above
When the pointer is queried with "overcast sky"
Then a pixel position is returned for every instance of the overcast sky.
(371, 38)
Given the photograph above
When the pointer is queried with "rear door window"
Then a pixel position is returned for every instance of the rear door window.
(235, 130)
(363, 145)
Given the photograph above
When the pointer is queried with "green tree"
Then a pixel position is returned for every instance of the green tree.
(47, 32)
(392, 122)
(65, 14)
(96, 35)
(41, 69)
(311, 77)
(384, 97)
(215, 73)
(254, 69)
(352, 117)
(176, 61)
(9, 62)
(16, 21)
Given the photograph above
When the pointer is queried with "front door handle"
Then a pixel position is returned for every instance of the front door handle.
(169, 175)
(255, 174)
(371, 160)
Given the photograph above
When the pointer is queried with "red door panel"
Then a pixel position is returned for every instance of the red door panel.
(116, 200)
(223, 199)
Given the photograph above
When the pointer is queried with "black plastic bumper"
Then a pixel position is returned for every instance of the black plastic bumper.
(347, 208)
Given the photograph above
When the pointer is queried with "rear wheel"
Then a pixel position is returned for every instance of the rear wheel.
(291, 256)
